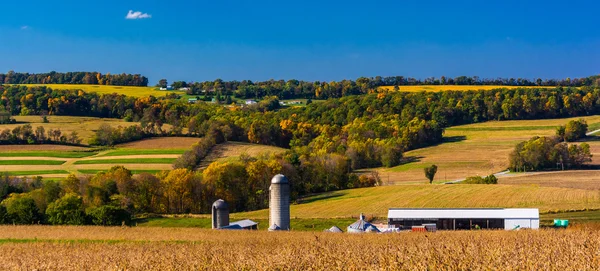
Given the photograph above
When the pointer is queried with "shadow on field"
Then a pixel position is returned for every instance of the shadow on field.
(591, 138)
(323, 196)
(450, 139)
(409, 159)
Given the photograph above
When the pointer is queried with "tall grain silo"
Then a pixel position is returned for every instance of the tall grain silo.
(220, 214)
(279, 203)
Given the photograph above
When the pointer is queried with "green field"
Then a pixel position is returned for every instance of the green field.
(297, 224)
(35, 172)
(127, 161)
(30, 162)
(103, 89)
(48, 154)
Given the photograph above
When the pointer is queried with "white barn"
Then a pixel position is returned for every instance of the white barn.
(465, 218)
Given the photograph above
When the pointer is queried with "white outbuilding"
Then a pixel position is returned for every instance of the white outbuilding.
(465, 218)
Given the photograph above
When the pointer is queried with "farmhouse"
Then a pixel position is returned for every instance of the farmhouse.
(249, 102)
(464, 218)
(167, 88)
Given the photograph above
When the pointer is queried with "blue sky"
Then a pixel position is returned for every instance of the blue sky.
(307, 40)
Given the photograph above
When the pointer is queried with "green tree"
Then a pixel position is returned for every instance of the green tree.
(109, 215)
(21, 209)
(67, 210)
(430, 172)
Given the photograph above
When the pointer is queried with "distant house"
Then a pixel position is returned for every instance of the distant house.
(167, 88)
(184, 88)
(249, 102)
(192, 100)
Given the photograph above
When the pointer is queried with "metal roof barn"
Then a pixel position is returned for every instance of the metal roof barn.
(465, 218)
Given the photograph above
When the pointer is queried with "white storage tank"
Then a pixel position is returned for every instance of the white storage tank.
(279, 203)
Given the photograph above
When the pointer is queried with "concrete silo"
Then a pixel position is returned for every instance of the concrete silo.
(220, 214)
(279, 203)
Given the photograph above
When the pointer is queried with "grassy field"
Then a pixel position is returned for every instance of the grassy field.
(298, 224)
(102, 89)
(476, 149)
(35, 172)
(30, 162)
(48, 154)
(126, 161)
(117, 248)
(438, 88)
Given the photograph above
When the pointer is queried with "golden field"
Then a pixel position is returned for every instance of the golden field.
(103, 89)
(438, 88)
(376, 201)
(98, 248)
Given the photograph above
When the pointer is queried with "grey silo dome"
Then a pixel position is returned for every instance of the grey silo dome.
(220, 214)
(279, 202)
(220, 204)
(279, 178)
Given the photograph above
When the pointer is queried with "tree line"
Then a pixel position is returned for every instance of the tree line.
(294, 89)
(88, 78)
(115, 196)
(25, 134)
(547, 153)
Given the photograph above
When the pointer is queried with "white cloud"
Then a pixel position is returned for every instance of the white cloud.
(134, 15)
(25, 27)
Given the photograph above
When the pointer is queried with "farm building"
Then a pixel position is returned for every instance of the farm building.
(361, 225)
(192, 100)
(250, 102)
(245, 224)
(220, 218)
(334, 229)
(465, 218)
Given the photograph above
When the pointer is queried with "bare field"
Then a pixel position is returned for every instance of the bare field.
(97, 248)
(232, 149)
(161, 143)
(580, 179)
(476, 149)
(41, 147)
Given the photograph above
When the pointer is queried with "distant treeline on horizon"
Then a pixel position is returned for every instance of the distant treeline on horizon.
(76, 78)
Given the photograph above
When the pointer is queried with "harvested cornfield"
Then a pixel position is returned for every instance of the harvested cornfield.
(97, 248)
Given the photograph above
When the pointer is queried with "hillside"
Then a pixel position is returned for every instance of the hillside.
(148, 155)
(477, 149)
